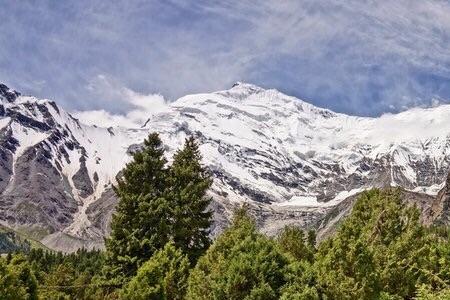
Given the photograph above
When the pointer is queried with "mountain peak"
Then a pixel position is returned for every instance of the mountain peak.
(246, 86)
(292, 161)
(7, 93)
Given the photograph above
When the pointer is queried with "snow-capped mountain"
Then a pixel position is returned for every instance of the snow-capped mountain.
(291, 161)
(53, 169)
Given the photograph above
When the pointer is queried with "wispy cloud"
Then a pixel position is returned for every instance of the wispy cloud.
(361, 57)
(139, 107)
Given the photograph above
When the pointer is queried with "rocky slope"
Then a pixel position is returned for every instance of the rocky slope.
(291, 161)
(441, 205)
(53, 168)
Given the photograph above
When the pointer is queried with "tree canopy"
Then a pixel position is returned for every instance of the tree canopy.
(159, 203)
(241, 264)
(160, 248)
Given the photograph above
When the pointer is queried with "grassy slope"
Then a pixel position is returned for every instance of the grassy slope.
(12, 240)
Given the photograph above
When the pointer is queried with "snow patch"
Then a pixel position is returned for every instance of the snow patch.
(4, 122)
(27, 138)
(311, 201)
(430, 190)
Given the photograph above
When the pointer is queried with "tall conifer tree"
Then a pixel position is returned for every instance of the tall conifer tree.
(139, 226)
(188, 184)
(158, 204)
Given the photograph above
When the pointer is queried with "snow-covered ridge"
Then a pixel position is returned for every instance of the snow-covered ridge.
(272, 150)
(259, 135)
(86, 158)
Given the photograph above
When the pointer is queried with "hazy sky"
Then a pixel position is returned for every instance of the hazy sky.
(358, 57)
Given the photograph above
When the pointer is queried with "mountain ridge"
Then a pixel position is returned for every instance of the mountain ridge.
(290, 160)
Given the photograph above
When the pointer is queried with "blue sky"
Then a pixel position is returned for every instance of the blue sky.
(357, 57)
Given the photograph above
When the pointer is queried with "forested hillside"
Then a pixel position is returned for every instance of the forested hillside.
(160, 248)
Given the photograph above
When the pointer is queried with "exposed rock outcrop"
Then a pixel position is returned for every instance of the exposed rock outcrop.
(291, 162)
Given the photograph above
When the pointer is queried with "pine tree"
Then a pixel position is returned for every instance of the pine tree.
(301, 282)
(381, 251)
(188, 184)
(292, 241)
(240, 264)
(60, 276)
(164, 276)
(139, 226)
(157, 204)
(17, 281)
(10, 286)
(425, 293)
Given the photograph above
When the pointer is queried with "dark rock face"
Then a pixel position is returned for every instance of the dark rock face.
(37, 195)
(6, 93)
(441, 206)
(5, 168)
(27, 121)
(100, 212)
(47, 183)
(81, 179)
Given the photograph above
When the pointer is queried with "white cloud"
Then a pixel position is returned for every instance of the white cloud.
(435, 102)
(362, 57)
(372, 55)
(140, 106)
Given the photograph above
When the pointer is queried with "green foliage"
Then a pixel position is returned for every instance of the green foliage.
(81, 261)
(240, 264)
(311, 240)
(14, 240)
(300, 274)
(57, 283)
(64, 276)
(158, 204)
(17, 281)
(380, 251)
(139, 226)
(10, 286)
(305, 293)
(292, 240)
(10, 241)
(164, 276)
(425, 293)
(188, 183)
(301, 281)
